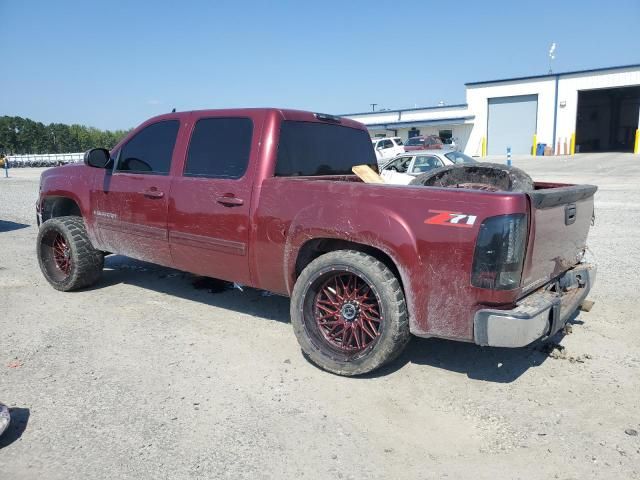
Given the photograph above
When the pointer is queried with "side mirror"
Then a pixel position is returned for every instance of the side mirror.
(97, 157)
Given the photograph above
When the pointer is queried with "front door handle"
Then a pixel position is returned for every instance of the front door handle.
(153, 193)
(230, 201)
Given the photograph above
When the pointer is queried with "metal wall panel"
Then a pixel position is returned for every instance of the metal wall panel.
(511, 123)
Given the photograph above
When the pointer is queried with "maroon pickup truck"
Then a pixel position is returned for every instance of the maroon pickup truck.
(267, 198)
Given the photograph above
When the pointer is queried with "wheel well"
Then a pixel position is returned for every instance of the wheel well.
(319, 246)
(53, 207)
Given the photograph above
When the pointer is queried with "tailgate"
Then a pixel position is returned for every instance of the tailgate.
(560, 221)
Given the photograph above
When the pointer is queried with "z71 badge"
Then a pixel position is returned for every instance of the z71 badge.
(451, 219)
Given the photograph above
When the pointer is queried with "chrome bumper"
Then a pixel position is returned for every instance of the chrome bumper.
(540, 314)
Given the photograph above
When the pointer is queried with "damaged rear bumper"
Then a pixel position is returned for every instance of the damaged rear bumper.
(538, 315)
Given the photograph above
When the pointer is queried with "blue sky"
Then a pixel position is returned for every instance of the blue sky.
(113, 64)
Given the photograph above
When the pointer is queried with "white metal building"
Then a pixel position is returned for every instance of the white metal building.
(588, 110)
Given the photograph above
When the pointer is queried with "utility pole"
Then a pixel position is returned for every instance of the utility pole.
(373, 106)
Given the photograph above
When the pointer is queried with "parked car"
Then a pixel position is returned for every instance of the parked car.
(427, 142)
(387, 148)
(402, 169)
(267, 198)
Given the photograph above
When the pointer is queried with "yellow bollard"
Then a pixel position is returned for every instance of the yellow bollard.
(636, 148)
(535, 145)
(484, 147)
(573, 144)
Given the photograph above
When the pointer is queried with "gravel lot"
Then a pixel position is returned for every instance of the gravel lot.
(146, 377)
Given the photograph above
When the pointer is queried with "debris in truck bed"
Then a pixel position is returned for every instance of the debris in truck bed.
(367, 174)
(478, 176)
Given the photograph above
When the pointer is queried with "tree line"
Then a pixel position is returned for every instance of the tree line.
(22, 135)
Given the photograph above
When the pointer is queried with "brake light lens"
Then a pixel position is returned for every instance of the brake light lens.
(499, 255)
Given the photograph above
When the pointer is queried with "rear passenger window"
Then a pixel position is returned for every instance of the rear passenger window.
(313, 148)
(219, 148)
(150, 150)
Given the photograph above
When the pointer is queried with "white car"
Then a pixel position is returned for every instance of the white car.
(387, 148)
(404, 168)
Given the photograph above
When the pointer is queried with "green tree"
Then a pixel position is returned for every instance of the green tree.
(22, 135)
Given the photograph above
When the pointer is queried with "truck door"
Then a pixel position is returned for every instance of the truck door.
(211, 198)
(130, 203)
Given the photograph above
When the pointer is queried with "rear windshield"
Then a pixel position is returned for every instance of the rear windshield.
(415, 141)
(458, 157)
(309, 148)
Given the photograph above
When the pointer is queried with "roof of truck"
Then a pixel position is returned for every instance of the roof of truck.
(285, 113)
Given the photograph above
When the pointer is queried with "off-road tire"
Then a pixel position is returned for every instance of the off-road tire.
(86, 263)
(394, 328)
(494, 176)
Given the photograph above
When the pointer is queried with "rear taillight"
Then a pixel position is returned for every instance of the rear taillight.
(497, 262)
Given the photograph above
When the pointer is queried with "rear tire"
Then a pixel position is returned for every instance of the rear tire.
(349, 313)
(478, 176)
(67, 259)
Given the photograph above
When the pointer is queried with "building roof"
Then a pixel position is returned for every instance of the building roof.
(391, 110)
(420, 123)
(553, 75)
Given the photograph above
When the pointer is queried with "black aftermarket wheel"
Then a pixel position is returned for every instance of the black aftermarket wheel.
(67, 259)
(349, 313)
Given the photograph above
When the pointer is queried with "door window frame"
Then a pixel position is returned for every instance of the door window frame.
(413, 164)
(218, 177)
(116, 161)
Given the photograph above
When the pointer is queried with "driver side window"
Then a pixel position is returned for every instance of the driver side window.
(150, 150)
(424, 164)
(404, 165)
(400, 165)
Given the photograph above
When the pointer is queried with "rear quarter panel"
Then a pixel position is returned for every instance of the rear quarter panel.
(434, 261)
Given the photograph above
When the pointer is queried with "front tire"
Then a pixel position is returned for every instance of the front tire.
(349, 313)
(67, 259)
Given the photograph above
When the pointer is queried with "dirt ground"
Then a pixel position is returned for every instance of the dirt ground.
(146, 377)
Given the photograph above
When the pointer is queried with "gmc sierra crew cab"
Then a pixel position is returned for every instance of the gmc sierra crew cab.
(263, 197)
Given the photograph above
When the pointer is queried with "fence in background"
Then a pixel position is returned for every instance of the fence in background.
(43, 160)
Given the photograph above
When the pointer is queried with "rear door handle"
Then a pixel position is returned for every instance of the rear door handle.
(153, 193)
(230, 201)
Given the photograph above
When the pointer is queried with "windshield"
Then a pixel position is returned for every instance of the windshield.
(415, 141)
(311, 148)
(458, 157)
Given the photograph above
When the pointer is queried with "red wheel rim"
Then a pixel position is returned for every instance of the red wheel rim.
(61, 254)
(347, 312)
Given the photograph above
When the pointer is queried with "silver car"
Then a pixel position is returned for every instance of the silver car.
(421, 161)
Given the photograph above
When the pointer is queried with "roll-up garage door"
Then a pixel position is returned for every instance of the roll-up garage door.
(511, 123)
